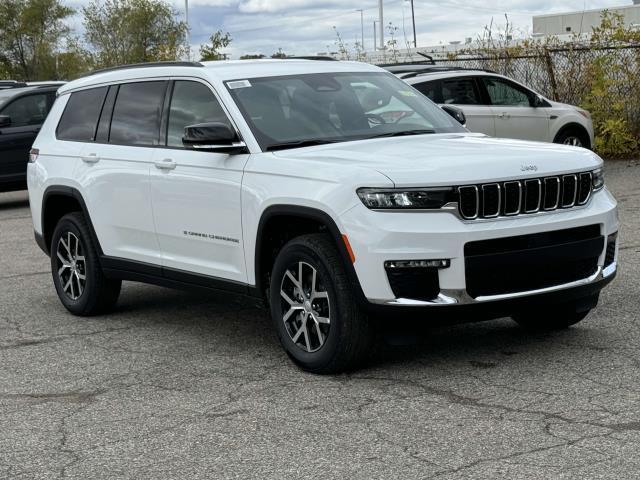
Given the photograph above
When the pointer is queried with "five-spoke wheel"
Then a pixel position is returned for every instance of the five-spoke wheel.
(305, 303)
(72, 266)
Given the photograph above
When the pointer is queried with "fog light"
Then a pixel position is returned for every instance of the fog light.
(444, 263)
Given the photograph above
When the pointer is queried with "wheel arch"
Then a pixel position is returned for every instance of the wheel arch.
(57, 201)
(312, 220)
(574, 126)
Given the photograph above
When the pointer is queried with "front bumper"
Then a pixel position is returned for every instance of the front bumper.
(376, 237)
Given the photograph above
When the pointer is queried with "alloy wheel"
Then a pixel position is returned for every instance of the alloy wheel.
(305, 306)
(573, 141)
(71, 265)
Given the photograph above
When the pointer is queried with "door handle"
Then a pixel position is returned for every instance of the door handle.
(166, 164)
(91, 158)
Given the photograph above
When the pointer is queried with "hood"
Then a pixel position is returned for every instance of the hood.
(450, 159)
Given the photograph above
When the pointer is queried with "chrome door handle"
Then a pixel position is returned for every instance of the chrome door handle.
(91, 158)
(166, 164)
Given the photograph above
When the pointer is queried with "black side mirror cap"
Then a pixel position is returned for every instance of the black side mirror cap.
(537, 101)
(456, 113)
(5, 121)
(214, 136)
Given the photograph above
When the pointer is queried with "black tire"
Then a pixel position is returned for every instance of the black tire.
(98, 294)
(556, 317)
(573, 136)
(349, 335)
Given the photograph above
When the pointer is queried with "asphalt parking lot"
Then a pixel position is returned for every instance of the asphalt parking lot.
(175, 385)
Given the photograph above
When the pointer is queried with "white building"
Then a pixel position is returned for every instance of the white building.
(582, 22)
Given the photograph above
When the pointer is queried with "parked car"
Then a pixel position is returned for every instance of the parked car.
(330, 191)
(499, 106)
(23, 108)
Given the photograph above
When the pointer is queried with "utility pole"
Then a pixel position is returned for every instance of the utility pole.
(361, 25)
(381, 24)
(413, 20)
(375, 33)
(186, 17)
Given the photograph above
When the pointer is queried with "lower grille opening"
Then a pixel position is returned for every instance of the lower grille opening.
(532, 262)
(414, 283)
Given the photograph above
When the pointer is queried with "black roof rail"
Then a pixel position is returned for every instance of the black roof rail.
(144, 65)
(11, 84)
(322, 58)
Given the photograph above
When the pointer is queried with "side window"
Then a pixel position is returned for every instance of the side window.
(136, 114)
(29, 110)
(191, 103)
(502, 92)
(80, 117)
(460, 91)
(428, 89)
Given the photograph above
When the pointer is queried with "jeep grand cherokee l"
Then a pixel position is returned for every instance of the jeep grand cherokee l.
(332, 190)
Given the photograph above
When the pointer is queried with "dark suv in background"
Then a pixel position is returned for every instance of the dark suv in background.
(23, 108)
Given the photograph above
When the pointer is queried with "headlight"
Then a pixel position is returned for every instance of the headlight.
(598, 179)
(415, 199)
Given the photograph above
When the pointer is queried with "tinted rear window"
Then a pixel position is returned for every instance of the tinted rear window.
(80, 116)
(136, 114)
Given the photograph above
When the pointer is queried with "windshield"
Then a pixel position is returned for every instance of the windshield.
(300, 110)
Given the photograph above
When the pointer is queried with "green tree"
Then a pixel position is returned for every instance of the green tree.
(211, 50)
(133, 31)
(31, 32)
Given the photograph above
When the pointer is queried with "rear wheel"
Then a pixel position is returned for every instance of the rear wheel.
(556, 317)
(318, 321)
(81, 286)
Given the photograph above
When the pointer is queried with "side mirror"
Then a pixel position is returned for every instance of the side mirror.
(214, 136)
(537, 101)
(456, 113)
(5, 121)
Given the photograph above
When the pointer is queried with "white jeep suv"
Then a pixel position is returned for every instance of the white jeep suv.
(290, 181)
(501, 107)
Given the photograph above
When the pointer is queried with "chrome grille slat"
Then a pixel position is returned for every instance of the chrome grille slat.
(535, 186)
(520, 197)
(512, 211)
(548, 182)
(486, 191)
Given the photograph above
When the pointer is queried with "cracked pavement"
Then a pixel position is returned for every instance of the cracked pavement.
(175, 385)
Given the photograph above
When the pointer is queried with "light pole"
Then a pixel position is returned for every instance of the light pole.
(413, 21)
(361, 25)
(381, 24)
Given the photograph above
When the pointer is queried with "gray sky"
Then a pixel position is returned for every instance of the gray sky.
(306, 26)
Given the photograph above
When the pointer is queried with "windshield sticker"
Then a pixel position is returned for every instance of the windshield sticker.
(407, 93)
(238, 84)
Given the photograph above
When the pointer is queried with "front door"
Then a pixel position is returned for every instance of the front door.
(515, 116)
(196, 194)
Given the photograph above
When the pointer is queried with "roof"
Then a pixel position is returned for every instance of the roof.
(425, 76)
(220, 70)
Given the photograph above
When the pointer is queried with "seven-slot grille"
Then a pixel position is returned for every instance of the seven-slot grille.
(532, 195)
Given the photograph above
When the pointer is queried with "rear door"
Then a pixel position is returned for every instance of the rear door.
(114, 168)
(27, 114)
(196, 194)
(463, 92)
(515, 117)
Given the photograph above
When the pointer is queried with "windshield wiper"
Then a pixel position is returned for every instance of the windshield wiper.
(403, 133)
(298, 144)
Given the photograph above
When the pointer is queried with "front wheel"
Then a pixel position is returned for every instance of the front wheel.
(574, 138)
(316, 316)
